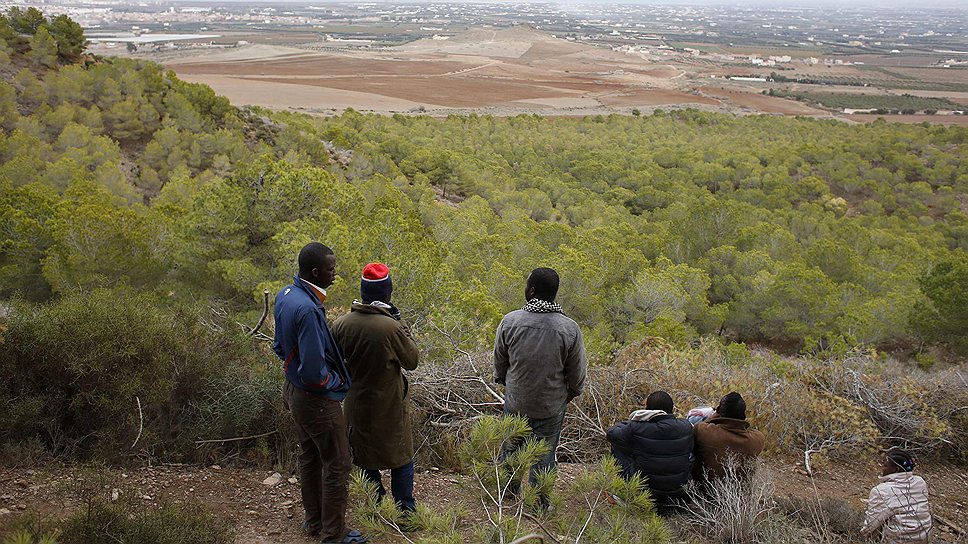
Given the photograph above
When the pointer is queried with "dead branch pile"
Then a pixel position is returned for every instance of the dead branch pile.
(448, 399)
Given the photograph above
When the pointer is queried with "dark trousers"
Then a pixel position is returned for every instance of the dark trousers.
(547, 429)
(401, 485)
(324, 460)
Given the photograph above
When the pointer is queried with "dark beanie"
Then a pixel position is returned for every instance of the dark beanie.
(733, 406)
(901, 459)
(376, 283)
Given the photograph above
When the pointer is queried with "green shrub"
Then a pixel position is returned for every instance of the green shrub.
(107, 523)
(86, 374)
(24, 537)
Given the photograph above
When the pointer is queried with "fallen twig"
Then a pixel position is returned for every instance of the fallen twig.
(954, 528)
(537, 522)
(141, 423)
(527, 538)
(235, 439)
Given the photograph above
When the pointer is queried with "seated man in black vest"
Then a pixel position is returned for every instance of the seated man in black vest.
(658, 446)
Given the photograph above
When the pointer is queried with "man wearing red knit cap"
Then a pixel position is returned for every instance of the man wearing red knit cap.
(378, 348)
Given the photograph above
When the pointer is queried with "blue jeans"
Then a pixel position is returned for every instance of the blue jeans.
(401, 485)
(547, 429)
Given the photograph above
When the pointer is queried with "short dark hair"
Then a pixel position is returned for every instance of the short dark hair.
(312, 255)
(732, 405)
(545, 282)
(660, 400)
(901, 459)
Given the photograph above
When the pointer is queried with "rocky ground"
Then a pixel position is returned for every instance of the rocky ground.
(264, 507)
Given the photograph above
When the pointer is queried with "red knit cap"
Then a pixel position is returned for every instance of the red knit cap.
(375, 272)
(376, 283)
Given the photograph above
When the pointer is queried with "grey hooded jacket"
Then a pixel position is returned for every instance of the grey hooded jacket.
(540, 358)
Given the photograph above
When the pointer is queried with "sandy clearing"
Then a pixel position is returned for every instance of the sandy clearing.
(578, 102)
(242, 54)
(477, 42)
(454, 92)
(317, 65)
(282, 95)
(549, 50)
(655, 97)
(760, 102)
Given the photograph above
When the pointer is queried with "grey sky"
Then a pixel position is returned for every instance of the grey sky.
(874, 4)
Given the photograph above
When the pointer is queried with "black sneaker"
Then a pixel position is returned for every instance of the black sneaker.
(352, 537)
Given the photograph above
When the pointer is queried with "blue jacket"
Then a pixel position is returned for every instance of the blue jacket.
(311, 358)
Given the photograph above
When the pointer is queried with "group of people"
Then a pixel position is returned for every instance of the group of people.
(346, 390)
(539, 358)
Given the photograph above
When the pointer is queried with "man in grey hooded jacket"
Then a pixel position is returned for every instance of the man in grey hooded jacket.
(539, 357)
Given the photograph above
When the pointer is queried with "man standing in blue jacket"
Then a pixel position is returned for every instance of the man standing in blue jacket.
(317, 380)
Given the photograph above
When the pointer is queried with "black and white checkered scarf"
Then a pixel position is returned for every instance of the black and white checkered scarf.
(543, 307)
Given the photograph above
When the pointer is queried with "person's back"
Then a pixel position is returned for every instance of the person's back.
(898, 504)
(378, 347)
(657, 445)
(541, 358)
(724, 438)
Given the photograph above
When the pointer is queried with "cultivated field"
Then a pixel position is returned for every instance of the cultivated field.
(518, 70)
(503, 71)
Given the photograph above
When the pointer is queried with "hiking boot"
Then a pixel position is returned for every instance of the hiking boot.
(311, 529)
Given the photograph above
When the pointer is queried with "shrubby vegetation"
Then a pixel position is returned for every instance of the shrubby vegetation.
(597, 506)
(679, 225)
(132, 201)
(116, 375)
(108, 514)
(886, 103)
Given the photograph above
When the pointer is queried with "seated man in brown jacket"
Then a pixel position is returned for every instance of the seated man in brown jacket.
(724, 436)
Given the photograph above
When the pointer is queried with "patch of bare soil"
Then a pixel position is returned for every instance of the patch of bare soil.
(263, 514)
(760, 102)
(852, 482)
(323, 65)
(655, 97)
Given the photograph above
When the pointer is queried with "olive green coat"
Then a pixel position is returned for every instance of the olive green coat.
(377, 348)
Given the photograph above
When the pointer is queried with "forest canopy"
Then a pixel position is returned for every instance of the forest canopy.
(797, 233)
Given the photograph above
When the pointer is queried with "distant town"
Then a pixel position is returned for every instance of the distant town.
(844, 61)
(634, 27)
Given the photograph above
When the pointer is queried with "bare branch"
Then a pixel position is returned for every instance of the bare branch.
(236, 439)
(141, 423)
(528, 538)
(265, 313)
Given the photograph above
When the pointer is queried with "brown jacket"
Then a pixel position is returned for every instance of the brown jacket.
(377, 348)
(719, 437)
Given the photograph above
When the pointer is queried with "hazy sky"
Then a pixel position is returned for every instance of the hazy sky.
(804, 3)
(929, 4)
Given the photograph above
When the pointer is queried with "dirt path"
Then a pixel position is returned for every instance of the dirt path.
(263, 514)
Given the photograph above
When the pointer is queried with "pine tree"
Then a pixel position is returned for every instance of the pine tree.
(43, 49)
(69, 37)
